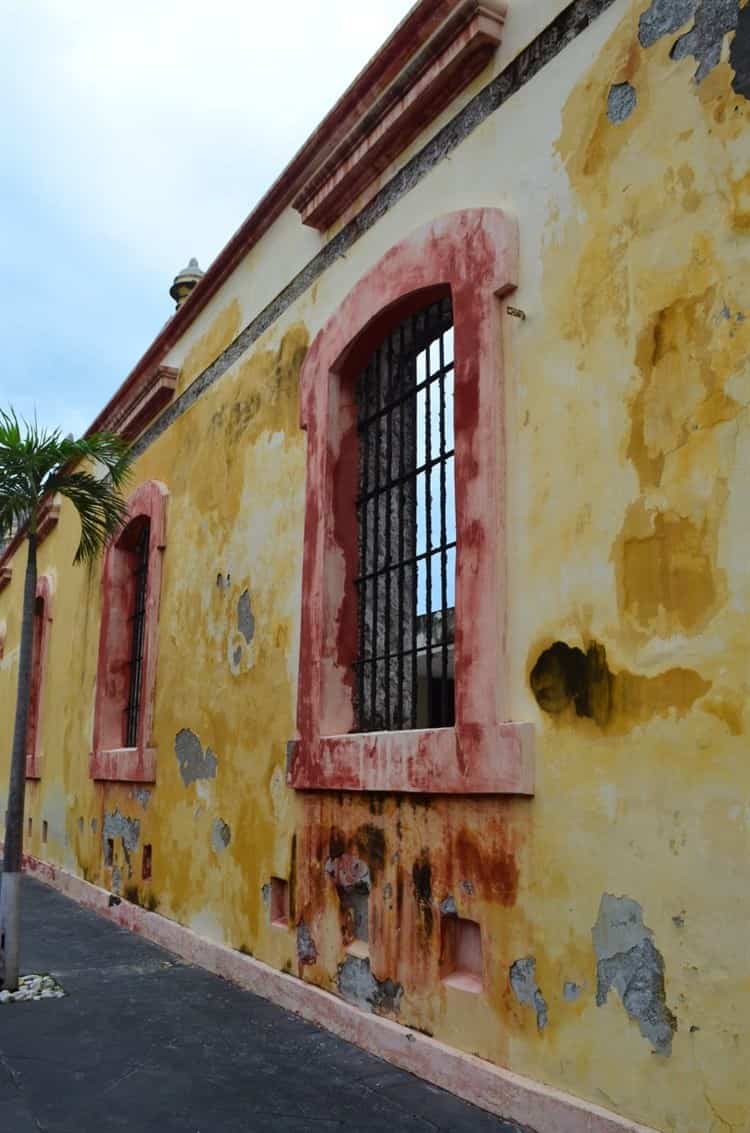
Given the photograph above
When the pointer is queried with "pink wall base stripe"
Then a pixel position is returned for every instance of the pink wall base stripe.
(499, 1091)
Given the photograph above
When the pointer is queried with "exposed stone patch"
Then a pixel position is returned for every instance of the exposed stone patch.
(448, 907)
(80, 824)
(245, 619)
(221, 835)
(265, 892)
(664, 17)
(523, 982)
(621, 102)
(467, 887)
(714, 19)
(351, 876)
(142, 795)
(358, 985)
(307, 953)
(628, 961)
(194, 762)
(571, 991)
(347, 870)
(116, 825)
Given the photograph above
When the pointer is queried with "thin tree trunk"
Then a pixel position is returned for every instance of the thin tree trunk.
(11, 881)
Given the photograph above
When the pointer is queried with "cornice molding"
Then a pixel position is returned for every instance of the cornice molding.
(388, 120)
(138, 402)
(391, 61)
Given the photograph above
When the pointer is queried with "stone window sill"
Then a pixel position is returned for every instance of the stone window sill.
(124, 765)
(33, 766)
(464, 981)
(468, 759)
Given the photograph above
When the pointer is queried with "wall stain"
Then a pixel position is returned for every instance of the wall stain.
(421, 875)
(223, 330)
(567, 681)
(484, 865)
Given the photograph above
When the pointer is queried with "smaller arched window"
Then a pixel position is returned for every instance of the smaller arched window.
(126, 671)
(42, 621)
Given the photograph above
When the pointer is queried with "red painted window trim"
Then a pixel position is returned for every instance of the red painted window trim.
(474, 254)
(38, 670)
(110, 761)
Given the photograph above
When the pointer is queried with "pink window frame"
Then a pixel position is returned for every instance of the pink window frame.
(473, 254)
(38, 671)
(130, 764)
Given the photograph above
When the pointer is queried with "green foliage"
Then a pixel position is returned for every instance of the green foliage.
(38, 463)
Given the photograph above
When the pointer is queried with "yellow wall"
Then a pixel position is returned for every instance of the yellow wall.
(629, 453)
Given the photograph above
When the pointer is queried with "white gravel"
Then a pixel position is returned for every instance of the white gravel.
(33, 987)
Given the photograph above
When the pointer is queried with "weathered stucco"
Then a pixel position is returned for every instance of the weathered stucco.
(628, 457)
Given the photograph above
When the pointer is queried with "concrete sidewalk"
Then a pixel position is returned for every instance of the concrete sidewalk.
(143, 1042)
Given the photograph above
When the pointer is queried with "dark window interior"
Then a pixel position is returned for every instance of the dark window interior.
(407, 527)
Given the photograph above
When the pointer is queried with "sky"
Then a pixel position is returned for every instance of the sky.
(135, 136)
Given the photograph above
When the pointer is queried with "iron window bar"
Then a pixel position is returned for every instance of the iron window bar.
(406, 527)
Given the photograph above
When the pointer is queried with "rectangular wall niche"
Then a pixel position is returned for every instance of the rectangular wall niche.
(461, 953)
(279, 902)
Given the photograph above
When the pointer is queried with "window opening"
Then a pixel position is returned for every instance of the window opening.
(407, 527)
(138, 624)
(32, 726)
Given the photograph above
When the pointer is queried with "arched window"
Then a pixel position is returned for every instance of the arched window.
(42, 622)
(126, 671)
(402, 683)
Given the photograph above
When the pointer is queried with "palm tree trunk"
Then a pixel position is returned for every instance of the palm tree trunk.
(13, 849)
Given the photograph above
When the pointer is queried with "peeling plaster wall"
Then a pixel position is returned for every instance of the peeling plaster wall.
(628, 459)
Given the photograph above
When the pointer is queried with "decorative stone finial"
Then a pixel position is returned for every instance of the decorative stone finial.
(185, 281)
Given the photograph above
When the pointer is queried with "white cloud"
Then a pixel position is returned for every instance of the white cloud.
(158, 124)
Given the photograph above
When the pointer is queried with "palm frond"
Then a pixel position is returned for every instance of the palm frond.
(101, 509)
(36, 462)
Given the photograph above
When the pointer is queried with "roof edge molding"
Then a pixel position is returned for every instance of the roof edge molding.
(400, 101)
(401, 62)
(138, 402)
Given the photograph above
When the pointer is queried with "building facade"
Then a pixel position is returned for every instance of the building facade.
(418, 674)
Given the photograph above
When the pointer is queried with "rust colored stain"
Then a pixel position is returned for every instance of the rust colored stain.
(370, 842)
(421, 875)
(492, 870)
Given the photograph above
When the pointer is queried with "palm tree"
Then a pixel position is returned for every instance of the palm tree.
(35, 465)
